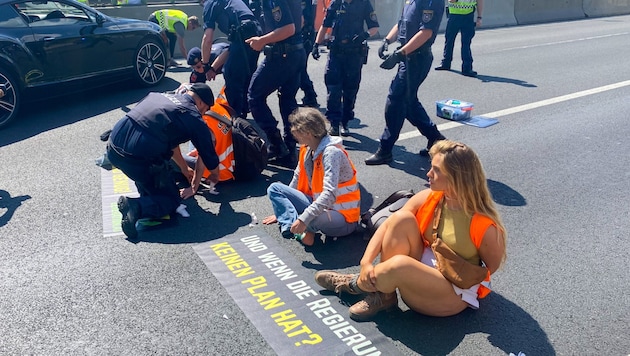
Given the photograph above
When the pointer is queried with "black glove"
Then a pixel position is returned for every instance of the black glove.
(384, 47)
(315, 51)
(393, 59)
(360, 38)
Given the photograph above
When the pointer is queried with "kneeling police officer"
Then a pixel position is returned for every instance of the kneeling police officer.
(142, 143)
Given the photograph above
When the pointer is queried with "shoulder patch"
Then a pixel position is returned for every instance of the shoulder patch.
(427, 15)
(276, 13)
(373, 16)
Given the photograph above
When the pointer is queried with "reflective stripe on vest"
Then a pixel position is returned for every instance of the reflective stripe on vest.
(462, 7)
(348, 195)
(478, 226)
(167, 19)
(223, 142)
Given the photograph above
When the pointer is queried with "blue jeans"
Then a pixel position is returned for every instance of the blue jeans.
(289, 203)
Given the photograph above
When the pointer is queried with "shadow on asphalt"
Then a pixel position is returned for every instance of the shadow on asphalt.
(10, 205)
(41, 116)
(507, 325)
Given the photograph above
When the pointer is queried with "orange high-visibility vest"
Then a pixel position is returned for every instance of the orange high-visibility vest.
(478, 226)
(348, 201)
(222, 136)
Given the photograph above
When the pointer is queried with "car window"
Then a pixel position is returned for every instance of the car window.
(53, 13)
(10, 17)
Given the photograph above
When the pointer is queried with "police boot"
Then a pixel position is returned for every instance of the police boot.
(130, 210)
(380, 157)
(277, 148)
(425, 151)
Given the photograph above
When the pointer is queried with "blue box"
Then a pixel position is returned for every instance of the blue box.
(453, 109)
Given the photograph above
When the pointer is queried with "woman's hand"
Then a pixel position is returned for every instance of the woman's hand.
(367, 278)
(271, 219)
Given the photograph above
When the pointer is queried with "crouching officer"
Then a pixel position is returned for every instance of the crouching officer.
(142, 143)
(234, 18)
(348, 53)
(280, 70)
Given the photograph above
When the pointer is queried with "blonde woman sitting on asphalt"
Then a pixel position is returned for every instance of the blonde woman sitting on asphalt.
(407, 263)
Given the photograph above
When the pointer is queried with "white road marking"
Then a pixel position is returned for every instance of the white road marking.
(521, 108)
(561, 42)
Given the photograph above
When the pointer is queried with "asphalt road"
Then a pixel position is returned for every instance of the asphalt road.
(557, 164)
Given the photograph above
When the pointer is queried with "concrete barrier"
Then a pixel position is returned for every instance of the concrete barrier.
(597, 8)
(538, 11)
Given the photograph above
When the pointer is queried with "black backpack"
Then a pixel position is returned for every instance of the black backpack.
(374, 217)
(250, 150)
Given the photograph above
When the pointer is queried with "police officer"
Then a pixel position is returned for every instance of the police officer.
(416, 31)
(461, 18)
(174, 24)
(348, 51)
(234, 18)
(279, 70)
(142, 143)
(308, 38)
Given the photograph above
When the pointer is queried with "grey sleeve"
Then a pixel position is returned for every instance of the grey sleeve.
(180, 30)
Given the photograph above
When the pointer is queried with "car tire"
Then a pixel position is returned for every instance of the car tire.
(150, 63)
(10, 98)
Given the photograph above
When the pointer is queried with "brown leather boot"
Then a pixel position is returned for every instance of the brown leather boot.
(373, 303)
(336, 282)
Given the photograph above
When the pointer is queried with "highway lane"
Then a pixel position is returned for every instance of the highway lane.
(558, 170)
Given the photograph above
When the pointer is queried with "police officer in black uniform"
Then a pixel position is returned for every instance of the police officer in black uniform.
(348, 53)
(416, 31)
(279, 70)
(234, 18)
(142, 143)
(308, 38)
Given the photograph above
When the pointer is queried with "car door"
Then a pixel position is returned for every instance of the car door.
(68, 39)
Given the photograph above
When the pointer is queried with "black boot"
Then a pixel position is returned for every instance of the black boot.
(277, 148)
(130, 210)
(380, 157)
(425, 151)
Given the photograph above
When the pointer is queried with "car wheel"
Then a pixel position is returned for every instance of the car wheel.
(150, 63)
(9, 98)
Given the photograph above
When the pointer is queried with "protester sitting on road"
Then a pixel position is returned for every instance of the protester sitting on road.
(218, 57)
(324, 190)
(468, 223)
(142, 143)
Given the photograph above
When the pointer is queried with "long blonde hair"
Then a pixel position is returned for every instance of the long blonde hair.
(467, 180)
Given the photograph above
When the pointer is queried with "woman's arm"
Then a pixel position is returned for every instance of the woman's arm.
(491, 250)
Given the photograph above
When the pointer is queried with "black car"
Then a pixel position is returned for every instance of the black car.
(52, 47)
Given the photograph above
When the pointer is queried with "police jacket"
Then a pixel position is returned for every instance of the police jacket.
(160, 123)
(419, 15)
(346, 20)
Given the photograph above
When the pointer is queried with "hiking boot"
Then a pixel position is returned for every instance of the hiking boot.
(130, 211)
(380, 157)
(373, 303)
(334, 130)
(345, 131)
(336, 282)
(425, 151)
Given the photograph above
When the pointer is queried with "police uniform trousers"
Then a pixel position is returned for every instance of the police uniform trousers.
(342, 78)
(278, 71)
(306, 84)
(466, 25)
(237, 72)
(402, 100)
(159, 194)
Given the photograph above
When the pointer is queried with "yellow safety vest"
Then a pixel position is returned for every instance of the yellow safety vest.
(348, 201)
(168, 18)
(462, 7)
